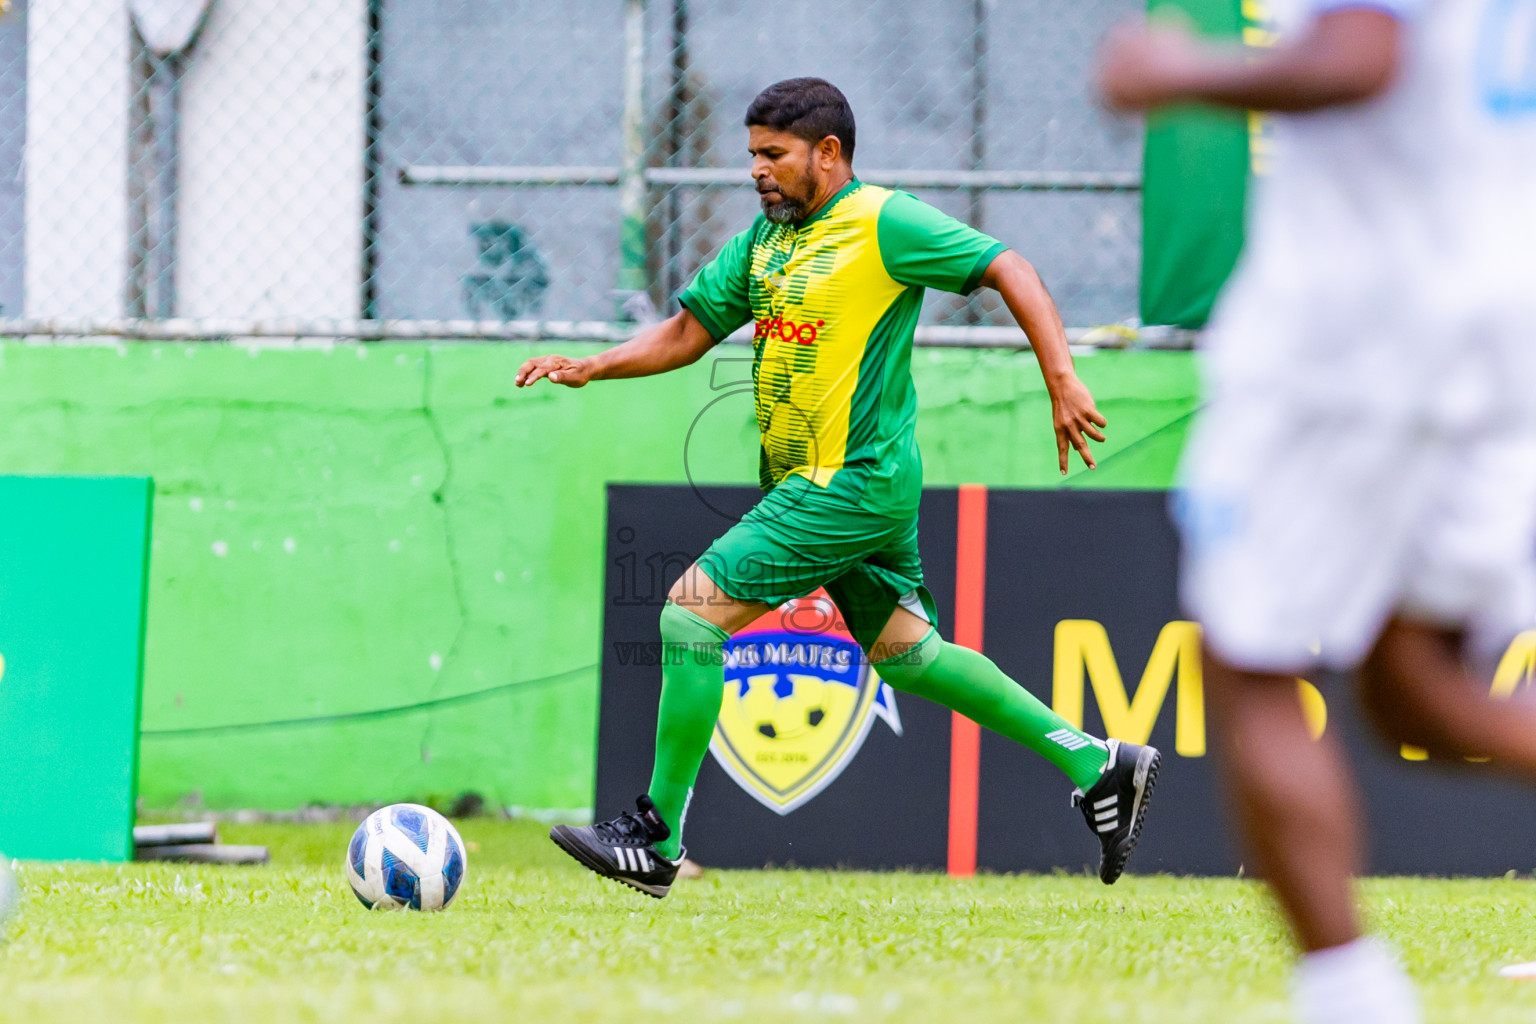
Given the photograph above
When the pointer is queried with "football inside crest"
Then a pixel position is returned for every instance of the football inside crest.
(799, 700)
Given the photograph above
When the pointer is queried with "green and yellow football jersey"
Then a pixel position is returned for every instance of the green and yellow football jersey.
(835, 299)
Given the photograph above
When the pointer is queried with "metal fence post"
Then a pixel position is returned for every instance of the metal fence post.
(677, 110)
(164, 91)
(632, 170)
(976, 214)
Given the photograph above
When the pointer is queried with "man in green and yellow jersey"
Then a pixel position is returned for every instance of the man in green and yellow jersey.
(832, 276)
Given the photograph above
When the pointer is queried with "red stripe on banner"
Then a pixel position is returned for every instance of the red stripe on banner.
(964, 734)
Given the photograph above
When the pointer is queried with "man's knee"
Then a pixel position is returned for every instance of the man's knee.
(696, 593)
(1392, 712)
(1409, 687)
(688, 638)
(903, 663)
(902, 632)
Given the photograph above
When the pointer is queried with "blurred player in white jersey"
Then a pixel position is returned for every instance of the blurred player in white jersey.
(1361, 488)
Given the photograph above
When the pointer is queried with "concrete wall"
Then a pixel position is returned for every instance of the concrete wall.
(376, 571)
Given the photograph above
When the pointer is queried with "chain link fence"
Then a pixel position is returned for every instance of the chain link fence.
(270, 167)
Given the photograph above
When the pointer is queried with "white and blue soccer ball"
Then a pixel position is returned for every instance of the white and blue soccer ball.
(406, 856)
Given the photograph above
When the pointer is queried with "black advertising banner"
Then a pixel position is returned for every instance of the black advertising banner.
(1081, 585)
(1082, 609)
(817, 763)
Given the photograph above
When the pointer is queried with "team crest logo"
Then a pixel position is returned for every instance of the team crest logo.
(799, 700)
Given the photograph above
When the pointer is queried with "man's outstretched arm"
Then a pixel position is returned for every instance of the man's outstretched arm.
(673, 343)
(1072, 407)
(1347, 55)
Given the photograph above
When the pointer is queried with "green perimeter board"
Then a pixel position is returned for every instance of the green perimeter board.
(73, 565)
(1195, 187)
(377, 570)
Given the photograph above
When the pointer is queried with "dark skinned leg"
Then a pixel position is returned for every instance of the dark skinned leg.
(1417, 690)
(1293, 800)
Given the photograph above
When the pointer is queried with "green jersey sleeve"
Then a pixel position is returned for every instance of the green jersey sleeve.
(719, 294)
(927, 248)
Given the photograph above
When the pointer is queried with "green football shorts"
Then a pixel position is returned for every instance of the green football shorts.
(800, 537)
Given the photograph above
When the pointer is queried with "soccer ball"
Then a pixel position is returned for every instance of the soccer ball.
(406, 855)
(788, 708)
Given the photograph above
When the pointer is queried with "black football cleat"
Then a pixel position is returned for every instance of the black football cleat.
(624, 849)
(1116, 805)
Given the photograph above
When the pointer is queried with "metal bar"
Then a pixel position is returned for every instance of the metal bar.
(978, 154)
(632, 142)
(141, 161)
(164, 113)
(203, 853)
(181, 834)
(505, 176)
(723, 177)
(1008, 181)
(223, 329)
(296, 330)
(673, 143)
(976, 197)
(373, 168)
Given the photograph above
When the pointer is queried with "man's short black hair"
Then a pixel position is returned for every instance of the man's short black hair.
(810, 108)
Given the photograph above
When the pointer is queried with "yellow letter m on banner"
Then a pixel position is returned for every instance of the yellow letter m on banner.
(1517, 668)
(1083, 645)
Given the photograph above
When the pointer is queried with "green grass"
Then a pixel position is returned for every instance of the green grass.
(534, 938)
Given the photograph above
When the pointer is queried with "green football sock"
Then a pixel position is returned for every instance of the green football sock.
(692, 689)
(968, 682)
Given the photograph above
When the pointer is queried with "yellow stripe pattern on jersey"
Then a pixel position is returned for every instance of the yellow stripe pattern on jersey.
(817, 293)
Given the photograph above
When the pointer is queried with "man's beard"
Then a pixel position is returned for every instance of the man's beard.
(785, 211)
(791, 208)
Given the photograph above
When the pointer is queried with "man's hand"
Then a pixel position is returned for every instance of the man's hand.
(677, 341)
(1076, 420)
(573, 373)
(1032, 306)
(1144, 67)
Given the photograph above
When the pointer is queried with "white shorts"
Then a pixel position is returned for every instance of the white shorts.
(1305, 531)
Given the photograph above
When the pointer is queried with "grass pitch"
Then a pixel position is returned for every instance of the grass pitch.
(532, 937)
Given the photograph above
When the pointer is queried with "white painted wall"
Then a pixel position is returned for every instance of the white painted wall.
(76, 163)
(272, 139)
